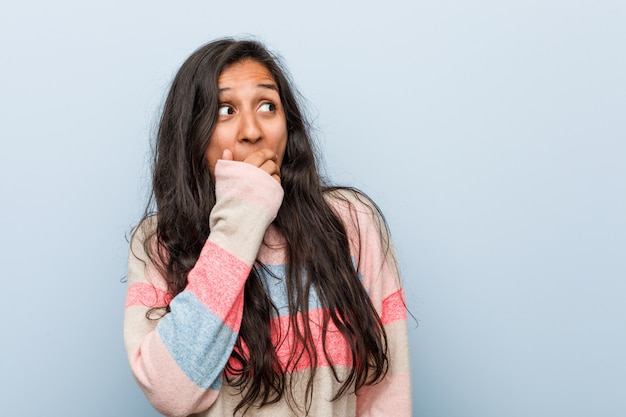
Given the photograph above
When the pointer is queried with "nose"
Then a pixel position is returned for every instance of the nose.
(250, 131)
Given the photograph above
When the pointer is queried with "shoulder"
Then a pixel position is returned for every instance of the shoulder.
(355, 209)
(144, 232)
(143, 243)
(370, 241)
(363, 220)
(144, 260)
(350, 199)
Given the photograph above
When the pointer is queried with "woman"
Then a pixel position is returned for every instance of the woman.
(254, 289)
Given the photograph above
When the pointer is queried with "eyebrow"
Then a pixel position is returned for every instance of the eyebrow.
(269, 86)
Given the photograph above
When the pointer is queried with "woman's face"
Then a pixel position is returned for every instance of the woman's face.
(251, 116)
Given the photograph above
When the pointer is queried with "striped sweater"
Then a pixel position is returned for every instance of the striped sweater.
(178, 359)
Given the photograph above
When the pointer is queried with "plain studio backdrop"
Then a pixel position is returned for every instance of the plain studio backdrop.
(491, 133)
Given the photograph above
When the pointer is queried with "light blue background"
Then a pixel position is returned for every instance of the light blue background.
(492, 134)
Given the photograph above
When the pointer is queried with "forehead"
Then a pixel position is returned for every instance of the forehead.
(243, 72)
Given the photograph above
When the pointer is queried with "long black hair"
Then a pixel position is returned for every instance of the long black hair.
(315, 237)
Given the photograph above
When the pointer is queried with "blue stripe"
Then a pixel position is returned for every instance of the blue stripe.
(361, 277)
(197, 339)
(273, 280)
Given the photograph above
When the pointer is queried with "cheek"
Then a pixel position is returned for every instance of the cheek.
(213, 153)
(278, 137)
(282, 144)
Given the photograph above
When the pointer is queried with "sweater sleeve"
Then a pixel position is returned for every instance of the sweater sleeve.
(375, 258)
(178, 359)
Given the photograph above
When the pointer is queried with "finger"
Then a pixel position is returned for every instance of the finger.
(227, 155)
(259, 157)
(272, 169)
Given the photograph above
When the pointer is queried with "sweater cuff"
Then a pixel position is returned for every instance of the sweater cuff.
(247, 201)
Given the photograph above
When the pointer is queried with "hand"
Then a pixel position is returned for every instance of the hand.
(265, 159)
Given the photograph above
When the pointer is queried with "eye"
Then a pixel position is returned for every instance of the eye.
(270, 107)
(225, 110)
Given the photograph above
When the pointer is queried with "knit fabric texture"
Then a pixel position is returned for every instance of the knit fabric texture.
(178, 359)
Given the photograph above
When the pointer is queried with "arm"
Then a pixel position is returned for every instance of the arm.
(178, 359)
(374, 254)
(394, 391)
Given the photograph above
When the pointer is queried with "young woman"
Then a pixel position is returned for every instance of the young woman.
(255, 289)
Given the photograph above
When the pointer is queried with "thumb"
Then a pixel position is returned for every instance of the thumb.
(227, 155)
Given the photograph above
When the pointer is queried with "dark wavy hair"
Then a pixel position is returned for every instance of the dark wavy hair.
(316, 239)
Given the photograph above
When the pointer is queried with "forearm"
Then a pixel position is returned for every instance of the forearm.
(178, 364)
(179, 361)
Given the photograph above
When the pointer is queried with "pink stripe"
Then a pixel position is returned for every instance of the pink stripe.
(144, 294)
(394, 308)
(283, 339)
(217, 280)
(336, 346)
